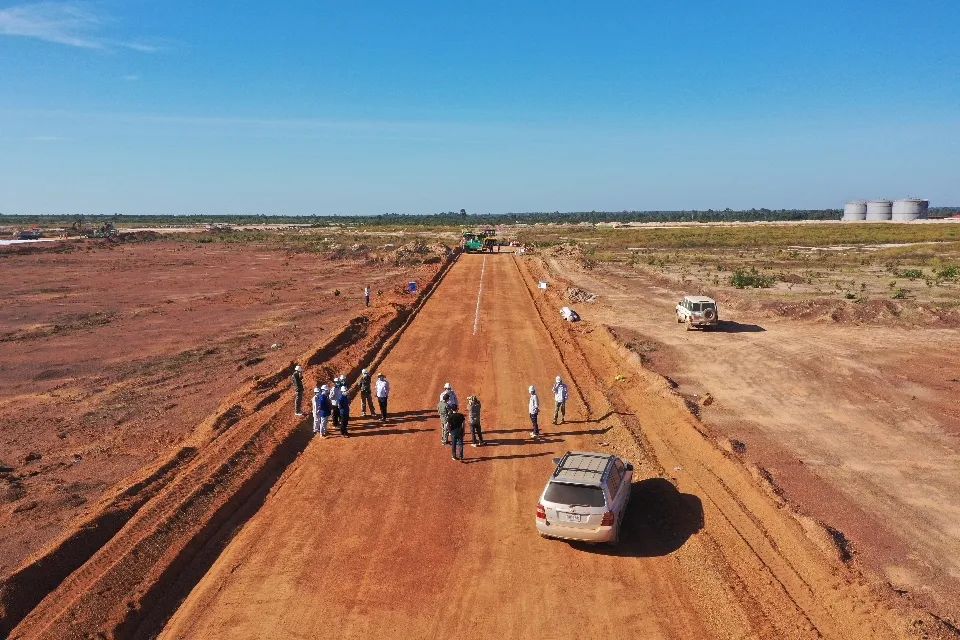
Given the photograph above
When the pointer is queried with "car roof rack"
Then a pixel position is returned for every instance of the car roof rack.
(582, 467)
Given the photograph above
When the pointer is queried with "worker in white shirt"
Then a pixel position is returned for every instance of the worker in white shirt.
(452, 401)
(560, 397)
(534, 407)
(383, 394)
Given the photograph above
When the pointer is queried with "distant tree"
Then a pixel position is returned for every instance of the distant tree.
(463, 212)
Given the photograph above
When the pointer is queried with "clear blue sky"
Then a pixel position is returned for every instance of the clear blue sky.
(369, 107)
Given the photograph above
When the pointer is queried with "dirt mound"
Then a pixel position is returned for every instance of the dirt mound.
(575, 294)
(418, 252)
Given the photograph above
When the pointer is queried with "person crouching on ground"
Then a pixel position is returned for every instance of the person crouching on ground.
(321, 411)
(534, 408)
(455, 423)
(343, 403)
(473, 411)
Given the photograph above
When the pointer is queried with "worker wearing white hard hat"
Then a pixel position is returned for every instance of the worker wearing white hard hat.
(321, 410)
(452, 400)
(560, 393)
(534, 409)
(366, 394)
(297, 380)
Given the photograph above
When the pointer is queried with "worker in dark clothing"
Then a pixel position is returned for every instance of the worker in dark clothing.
(298, 388)
(366, 394)
(343, 403)
(456, 425)
(443, 408)
(473, 411)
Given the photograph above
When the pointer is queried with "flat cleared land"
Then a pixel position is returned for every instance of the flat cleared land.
(858, 425)
(383, 534)
(250, 528)
(111, 356)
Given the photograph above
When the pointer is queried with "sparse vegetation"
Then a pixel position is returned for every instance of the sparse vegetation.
(744, 279)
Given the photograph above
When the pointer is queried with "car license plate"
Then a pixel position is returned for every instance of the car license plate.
(569, 517)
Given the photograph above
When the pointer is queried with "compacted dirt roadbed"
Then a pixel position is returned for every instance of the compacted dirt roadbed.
(383, 535)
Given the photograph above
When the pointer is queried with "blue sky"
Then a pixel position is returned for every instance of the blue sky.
(369, 107)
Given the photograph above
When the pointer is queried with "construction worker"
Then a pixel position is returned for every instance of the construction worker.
(473, 412)
(343, 403)
(444, 410)
(534, 407)
(383, 395)
(321, 410)
(456, 423)
(366, 295)
(452, 396)
(366, 394)
(298, 388)
(560, 397)
(335, 402)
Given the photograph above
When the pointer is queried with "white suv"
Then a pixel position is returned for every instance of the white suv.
(586, 497)
(698, 311)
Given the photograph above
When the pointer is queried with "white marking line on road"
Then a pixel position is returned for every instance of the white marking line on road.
(476, 315)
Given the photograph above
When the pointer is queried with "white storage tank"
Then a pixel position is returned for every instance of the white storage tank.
(909, 209)
(856, 210)
(879, 210)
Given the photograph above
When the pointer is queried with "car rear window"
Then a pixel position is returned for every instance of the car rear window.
(574, 494)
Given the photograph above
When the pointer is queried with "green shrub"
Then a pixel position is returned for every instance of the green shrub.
(751, 279)
(900, 294)
(912, 274)
(950, 272)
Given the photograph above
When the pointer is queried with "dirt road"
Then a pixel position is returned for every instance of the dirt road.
(382, 534)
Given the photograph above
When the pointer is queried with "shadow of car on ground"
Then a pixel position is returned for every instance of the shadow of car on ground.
(659, 520)
(730, 326)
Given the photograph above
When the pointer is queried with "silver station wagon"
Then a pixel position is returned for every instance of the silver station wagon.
(586, 497)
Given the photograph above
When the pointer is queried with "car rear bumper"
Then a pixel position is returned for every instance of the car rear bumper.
(554, 530)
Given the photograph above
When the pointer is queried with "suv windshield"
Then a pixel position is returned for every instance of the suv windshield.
(574, 494)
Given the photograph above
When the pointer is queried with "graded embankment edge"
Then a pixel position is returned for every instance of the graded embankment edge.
(136, 574)
(828, 588)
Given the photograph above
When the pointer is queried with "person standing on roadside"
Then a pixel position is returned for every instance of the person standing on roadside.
(366, 394)
(335, 402)
(534, 408)
(298, 389)
(343, 403)
(321, 411)
(560, 397)
(473, 412)
(444, 410)
(456, 425)
(383, 395)
(366, 295)
(451, 396)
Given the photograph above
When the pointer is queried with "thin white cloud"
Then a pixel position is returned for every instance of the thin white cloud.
(130, 77)
(46, 138)
(74, 24)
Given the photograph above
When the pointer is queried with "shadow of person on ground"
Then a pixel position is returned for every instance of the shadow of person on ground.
(360, 433)
(516, 442)
(730, 326)
(512, 456)
(659, 520)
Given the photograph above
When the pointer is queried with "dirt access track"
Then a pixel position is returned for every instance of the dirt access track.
(857, 426)
(382, 534)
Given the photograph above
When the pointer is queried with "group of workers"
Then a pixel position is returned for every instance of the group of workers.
(331, 403)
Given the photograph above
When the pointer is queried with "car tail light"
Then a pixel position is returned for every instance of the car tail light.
(608, 519)
(541, 512)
